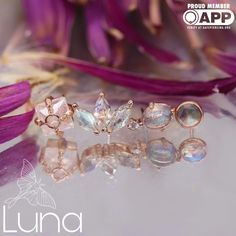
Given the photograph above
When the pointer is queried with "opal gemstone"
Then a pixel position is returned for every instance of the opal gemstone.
(161, 152)
(157, 115)
(193, 150)
(188, 114)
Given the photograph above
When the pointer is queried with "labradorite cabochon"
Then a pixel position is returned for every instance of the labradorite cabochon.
(157, 116)
(188, 114)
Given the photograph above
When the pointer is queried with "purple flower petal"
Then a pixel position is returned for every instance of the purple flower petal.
(151, 14)
(13, 126)
(97, 38)
(128, 5)
(225, 61)
(13, 96)
(150, 84)
(117, 17)
(11, 160)
(50, 21)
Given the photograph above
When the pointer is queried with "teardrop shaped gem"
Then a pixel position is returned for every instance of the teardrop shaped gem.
(102, 108)
(120, 117)
(86, 119)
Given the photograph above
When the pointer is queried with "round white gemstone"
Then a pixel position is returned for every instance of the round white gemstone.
(188, 114)
(53, 121)
(59, 174)
(193, 149)
(157, 115)
(161, 152)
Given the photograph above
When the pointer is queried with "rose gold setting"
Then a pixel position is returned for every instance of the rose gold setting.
(188, 103)
(52, 120)
(115, 151)
(59, 163)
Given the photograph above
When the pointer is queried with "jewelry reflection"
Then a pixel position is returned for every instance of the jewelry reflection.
(109, 156)
(60, 158)
(161, 152)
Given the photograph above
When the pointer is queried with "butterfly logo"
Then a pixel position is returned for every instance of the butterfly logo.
(31, 189)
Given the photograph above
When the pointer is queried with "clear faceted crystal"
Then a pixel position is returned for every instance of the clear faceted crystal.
(193, 150)
(188, 114)
(86, 119)
(157, 115)
(60, 108)
(109, 166)
(161, 152)
(90, 158)
(102, 108)
(120, 118)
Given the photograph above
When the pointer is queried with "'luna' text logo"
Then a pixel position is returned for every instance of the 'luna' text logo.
(31, 189)
(40, 218)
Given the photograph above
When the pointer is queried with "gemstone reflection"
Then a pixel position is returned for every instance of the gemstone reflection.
(193, 149)
(161, 152)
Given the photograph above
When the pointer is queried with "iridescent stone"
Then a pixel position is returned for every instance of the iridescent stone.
(102, 108)
(59, 108)
(193, 149)
(188, 114)
(157, 115)
(60, 158)
(120, 117)
(86, 119)
(161, 152)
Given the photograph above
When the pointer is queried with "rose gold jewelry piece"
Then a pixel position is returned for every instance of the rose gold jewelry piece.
(102, 119)
(109, 156)
(54, 116)
(155, 116)
(189, 114)
(60, 158)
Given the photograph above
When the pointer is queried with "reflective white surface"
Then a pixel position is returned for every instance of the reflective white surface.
(182, 199)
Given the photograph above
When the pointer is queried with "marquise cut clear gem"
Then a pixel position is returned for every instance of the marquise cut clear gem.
(102, 108)
(86, 119)
(120, 118)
